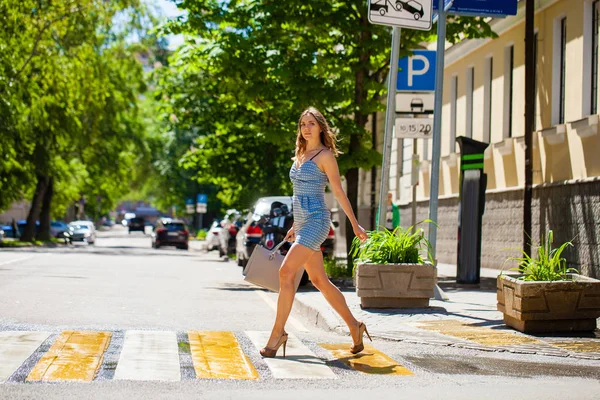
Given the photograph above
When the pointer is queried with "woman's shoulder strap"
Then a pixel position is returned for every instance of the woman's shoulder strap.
(317, 154)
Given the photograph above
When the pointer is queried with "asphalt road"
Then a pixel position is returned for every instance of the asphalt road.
(122, 284)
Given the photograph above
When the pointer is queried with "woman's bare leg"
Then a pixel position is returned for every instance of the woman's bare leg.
(316, 271)
(294, 260)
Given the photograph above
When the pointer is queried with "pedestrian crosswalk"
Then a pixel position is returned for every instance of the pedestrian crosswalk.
(78, 356)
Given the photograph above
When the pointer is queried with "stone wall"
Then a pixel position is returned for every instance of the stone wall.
(571, 209)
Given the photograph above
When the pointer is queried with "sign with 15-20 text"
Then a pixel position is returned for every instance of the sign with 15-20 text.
(416, 73)
(413, 14)
(414, 128)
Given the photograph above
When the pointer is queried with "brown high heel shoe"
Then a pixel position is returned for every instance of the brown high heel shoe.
(268, 352)
(357, 348)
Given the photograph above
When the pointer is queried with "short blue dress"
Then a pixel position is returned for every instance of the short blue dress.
(312, 219)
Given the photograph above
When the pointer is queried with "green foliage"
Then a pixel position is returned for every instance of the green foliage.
(247, 70)
(201, 235)
(336, 268)
(548, 265)
(400, 246)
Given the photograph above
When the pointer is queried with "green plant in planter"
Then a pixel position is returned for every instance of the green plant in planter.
(547, 266)
(400, 246)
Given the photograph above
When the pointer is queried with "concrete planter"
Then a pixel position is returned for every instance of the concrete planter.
(560, 306)
(395, 285)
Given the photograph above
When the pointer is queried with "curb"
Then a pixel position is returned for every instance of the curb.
(327, 321)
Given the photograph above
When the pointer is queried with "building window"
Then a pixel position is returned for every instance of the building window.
(470, 90)
(454, 100)
(487, 101)
(594, 86)
(563, 63)
(509, 61)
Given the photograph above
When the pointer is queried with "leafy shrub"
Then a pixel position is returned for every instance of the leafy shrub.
(336, 268)
(400, 246)
(547, 266)
(201, 235)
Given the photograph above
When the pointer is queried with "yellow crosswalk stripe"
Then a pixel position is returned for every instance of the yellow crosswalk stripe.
(370, 360)
(74, 356)
(218, 355)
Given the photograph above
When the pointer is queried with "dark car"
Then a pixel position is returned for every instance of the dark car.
(170, 232)
(137, 224)
(380, 7)
(412, 7)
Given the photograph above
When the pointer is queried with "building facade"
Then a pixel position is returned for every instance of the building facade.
(484, 99)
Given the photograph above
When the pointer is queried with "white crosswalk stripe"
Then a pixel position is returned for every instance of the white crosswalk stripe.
(15, 348)
(149, 356)
(300, 362)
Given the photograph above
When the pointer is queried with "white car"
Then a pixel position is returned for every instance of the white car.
(212, 237)
(82, 231)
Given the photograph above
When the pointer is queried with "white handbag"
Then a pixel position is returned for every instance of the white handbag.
(263, 268)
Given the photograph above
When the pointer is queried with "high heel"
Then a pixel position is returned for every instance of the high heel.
(358, 347)
(268, 352)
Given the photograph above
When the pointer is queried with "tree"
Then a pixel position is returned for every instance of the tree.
(250, 67)
(70, 90)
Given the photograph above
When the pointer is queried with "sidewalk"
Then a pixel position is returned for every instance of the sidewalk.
(468, 319)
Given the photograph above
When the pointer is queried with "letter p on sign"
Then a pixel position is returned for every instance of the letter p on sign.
(417, 72)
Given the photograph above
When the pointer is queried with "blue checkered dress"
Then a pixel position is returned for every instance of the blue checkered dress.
(311, 216)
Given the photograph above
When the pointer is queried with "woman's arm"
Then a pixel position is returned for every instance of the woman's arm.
(330, 167)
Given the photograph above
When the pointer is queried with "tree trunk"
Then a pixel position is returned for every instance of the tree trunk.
(29, 230)
(44, 233)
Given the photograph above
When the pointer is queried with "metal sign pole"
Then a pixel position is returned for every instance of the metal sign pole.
(437, 126)
(390, 120)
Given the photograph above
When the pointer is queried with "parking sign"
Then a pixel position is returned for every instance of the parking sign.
(414, 14)
(416, 73)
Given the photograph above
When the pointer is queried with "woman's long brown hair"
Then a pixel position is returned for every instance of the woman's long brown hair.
(328, 137)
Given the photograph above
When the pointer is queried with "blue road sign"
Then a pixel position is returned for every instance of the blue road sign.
(201, 199)
(447, 4)
(189, 201)
(416, 73)
(481, 8)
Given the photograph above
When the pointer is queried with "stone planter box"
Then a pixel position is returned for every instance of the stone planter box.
(559, 306)
(395, 285)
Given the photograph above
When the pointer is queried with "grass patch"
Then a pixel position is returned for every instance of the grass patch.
(184, 347)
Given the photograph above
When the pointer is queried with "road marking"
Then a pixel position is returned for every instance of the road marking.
(477, 334)
(300, 362)
(218, 355)
(149, 356)
(369, 361)
(293, 321)
(15, 348)
(74, 356)
(18, 259)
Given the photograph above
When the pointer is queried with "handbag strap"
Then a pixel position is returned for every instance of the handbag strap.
(276, 248)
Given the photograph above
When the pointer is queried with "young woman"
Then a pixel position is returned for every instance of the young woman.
(313, 166)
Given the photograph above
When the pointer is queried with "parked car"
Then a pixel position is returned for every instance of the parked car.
(82, 231)
(212, 237)
(170, 232)
(250, 233)
(412, 7)
(137, 224)
(230, 226)
(58, 229)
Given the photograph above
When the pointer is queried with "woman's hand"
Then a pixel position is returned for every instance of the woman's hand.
(360, 233)
(291, 235)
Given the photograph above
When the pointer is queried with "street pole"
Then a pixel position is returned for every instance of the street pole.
(437, 127)
(530, 64)
(390, 120)
(414, 187)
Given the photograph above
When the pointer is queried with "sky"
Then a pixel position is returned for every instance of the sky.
(169, 10)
